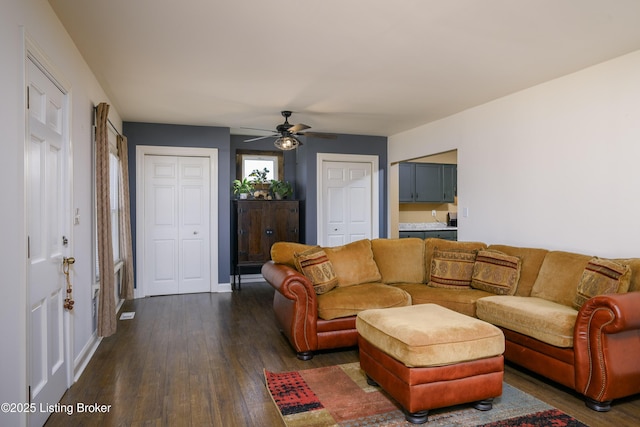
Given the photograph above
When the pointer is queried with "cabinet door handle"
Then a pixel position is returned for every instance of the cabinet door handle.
(269, 232)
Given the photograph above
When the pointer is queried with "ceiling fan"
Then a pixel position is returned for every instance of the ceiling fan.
(286, 133)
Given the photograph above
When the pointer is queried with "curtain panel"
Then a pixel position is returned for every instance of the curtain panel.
(126, 250)
(107, 319)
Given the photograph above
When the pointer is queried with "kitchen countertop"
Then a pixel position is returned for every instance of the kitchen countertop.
(424, 226)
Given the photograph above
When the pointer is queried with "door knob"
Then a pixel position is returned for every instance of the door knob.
(195, 232)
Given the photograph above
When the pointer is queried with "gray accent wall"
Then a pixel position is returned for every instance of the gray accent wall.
(299, 169)
(306, 175)
(167, 135)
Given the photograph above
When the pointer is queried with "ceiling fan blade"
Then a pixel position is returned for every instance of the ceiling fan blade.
(264, 130)
(321, 135)
(259, 138)
(298, 128)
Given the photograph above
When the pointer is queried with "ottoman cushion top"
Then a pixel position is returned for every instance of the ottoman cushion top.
(429, 335)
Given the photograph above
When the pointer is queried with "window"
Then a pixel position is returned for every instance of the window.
(114, 187)
(251, 163)
(248, 161)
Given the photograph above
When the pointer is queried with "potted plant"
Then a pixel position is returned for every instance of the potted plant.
(242, 188)
(280, 189)
(259, 179)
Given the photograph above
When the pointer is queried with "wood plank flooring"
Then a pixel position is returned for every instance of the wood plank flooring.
(198, 360)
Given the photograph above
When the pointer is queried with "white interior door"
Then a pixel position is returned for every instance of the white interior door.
(48, 226)
(177, 245)
(347, 202)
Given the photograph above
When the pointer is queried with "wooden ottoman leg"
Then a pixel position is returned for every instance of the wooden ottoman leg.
(484, 405)
(372, 382)
(419, 417)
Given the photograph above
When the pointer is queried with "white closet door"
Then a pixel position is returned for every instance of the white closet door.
(177, 246)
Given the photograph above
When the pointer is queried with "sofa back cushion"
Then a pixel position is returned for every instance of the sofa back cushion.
(399, 260)
(559, 276)
(444, 245)
(634, 266)
(531, 262)
(353, 263)
(283, 252)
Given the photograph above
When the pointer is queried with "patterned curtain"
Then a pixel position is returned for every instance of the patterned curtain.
(107, 319)
(126, 251)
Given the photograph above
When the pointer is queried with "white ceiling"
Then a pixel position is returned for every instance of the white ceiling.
(373, 67)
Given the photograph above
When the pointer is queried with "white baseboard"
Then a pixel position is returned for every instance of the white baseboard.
(81, 362)
(223, 287)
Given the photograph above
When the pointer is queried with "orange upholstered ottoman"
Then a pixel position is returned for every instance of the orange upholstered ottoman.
(426, 356)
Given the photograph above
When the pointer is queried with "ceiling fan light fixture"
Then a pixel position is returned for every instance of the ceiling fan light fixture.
(287, 143)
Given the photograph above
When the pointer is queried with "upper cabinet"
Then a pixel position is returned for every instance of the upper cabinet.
(427, 182)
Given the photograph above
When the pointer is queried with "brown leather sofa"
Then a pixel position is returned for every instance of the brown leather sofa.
(593, 350)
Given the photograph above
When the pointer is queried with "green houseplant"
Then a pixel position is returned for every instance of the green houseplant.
(259, 179)
(242, 188)
(280, 189)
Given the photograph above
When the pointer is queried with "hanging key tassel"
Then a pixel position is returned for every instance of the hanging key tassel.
(68, 301)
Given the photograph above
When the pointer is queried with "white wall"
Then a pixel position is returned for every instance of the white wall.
(553, 166)
(36, 18)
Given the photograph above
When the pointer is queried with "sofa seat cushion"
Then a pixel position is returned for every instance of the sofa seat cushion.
(353, 263)
(399, 260)
(538, 318)
(350, 300)
(463, 300)
(429, 335)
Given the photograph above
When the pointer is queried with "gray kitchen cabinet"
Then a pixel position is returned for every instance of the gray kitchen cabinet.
(418, 234)
(440, 234)
(407, 178)
(427, 182)
(449, 183)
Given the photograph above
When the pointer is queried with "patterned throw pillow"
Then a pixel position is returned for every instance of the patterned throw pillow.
(315, 265)
(452, 268)
(496, 272)
(602, 276)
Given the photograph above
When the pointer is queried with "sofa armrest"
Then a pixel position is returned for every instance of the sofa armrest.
(606, 346)
(295, 305)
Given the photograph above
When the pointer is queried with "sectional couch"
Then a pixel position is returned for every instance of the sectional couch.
(546, 302)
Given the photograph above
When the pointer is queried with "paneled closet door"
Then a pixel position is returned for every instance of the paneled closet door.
(177, 208)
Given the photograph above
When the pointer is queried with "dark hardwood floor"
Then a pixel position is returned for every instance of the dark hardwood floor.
(198, 360)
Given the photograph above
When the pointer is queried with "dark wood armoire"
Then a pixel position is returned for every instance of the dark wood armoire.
(259, 224)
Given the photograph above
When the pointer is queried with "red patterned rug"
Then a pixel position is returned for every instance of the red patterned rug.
(340, 396)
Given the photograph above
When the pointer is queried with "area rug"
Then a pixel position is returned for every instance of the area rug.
(340, 396)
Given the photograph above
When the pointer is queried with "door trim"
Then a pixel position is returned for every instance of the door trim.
(375, 188)
(212, 154)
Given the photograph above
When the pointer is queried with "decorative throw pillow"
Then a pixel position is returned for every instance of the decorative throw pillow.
(496, 272)
(452, 268)
(602, 276)
(315, 265)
